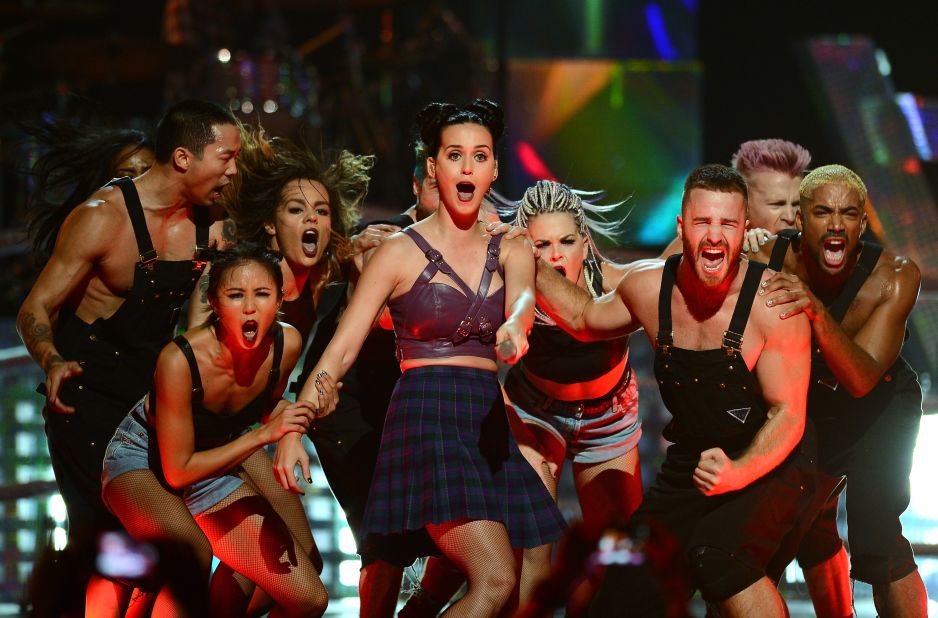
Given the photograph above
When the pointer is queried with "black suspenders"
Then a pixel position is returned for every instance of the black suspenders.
(869, 255)
(782, 241)
(732, 336)
(148, 254)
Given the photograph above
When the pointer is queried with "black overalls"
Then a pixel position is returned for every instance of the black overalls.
(118, 355)
(716, 402)
(870, 439)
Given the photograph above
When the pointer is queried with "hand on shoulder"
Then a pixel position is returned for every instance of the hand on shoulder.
(518, 243)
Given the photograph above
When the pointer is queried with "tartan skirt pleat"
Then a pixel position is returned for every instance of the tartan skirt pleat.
(447, 453)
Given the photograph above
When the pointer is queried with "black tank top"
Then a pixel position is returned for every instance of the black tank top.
(300, 313)
(557, 356)
(826, 400)
(213, 429)
(714, 399)
(118, 353)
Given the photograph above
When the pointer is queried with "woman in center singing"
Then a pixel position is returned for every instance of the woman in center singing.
(450, 477)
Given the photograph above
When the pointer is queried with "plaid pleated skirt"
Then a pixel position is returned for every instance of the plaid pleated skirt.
(447, 453)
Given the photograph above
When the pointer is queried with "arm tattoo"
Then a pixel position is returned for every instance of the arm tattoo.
(35, 333)
(228, 233)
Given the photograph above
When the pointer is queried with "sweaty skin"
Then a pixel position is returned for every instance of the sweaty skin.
(94, 257)
(704, 299)
(867, 342)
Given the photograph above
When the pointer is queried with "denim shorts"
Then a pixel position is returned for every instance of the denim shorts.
(134, 447)
(593, 430)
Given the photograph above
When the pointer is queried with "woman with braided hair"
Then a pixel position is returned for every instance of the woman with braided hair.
(578, 400)
(450, 477)
(192, 431)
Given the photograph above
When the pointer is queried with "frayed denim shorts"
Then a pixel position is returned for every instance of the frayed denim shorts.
(593, 430)
(134, 447)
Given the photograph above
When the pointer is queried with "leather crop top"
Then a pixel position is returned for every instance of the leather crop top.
(437, 320)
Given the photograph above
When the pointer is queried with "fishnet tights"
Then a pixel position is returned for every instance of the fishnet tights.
(482, 550)
(152, 514)
(250, 537)
(231, 592)
(609, 492)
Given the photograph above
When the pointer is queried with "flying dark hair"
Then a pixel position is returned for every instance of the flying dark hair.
(268, 165)
(433, 118)
(190, 124)
(242, 253)
(74, 162)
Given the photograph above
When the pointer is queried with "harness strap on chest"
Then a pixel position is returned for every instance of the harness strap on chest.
(436, 262)
(464, 330)
(472, 316)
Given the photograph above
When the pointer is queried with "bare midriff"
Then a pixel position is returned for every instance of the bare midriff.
(475, 362)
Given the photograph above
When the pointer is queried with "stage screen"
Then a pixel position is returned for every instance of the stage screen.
(629, 128)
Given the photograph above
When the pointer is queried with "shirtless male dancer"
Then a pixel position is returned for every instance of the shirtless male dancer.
(735, 379)
(864, 398)
(108, 299)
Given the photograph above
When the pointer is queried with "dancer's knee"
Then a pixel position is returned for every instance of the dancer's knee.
(496, 583)
(314, 605)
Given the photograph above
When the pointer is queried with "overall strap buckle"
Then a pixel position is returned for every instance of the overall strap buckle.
(732, 342)
(147, 258)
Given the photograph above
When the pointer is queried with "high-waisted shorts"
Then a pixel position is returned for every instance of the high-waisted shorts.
(592, 430)
(134, 447)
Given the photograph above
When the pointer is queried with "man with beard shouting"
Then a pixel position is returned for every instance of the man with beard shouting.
(735, 380)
